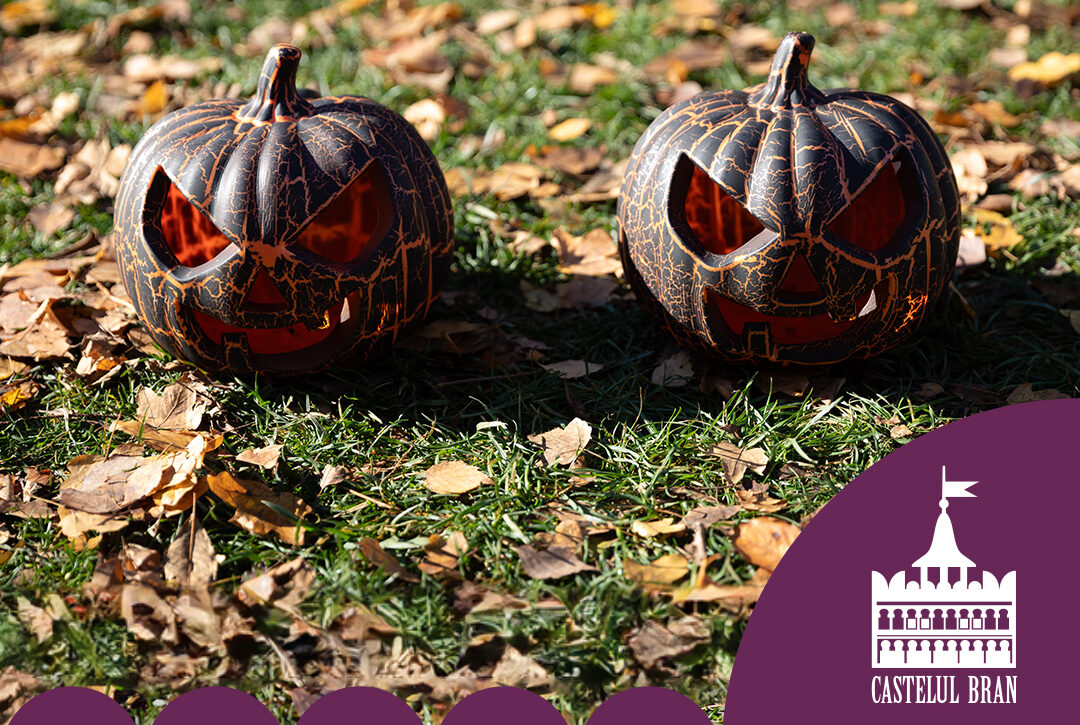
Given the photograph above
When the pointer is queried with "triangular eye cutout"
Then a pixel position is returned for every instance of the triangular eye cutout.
(190, 235)
(349, 228)
(872, 218)
(719, 222)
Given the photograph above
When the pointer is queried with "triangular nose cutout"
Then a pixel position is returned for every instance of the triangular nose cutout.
(264, 294)
(800, 280)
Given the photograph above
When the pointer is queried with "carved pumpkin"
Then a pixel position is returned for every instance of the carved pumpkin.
(786, 225)
(282, 234)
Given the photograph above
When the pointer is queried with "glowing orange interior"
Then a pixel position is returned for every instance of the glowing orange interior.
(872, 219)
(353, 224)
(719, 222)
(784, 330)
(275, 340)
(191, 236)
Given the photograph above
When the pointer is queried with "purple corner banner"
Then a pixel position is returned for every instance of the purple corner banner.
(856, 623)
(494, 706)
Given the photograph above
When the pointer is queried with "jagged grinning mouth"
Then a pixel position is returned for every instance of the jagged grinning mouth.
(789, 330)
(286, 340)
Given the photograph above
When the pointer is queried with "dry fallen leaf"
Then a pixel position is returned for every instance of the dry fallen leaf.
(735, 460)
(674, 370)
(764, 540)
(660, 574)
(189, 560)
(757, 498)
(660, 527)
(572, 369)
(427, 116)
(553, 563)
(1049, 70)
(374, 553)
(250, 499)
(180, 406)
(454, 477)
(34, 618)
(1000, 233)
(28, 160)
(266, 457)
(569, 129)
(285, 586)
(654, 643)
(1024, 393)
(442, 555)
(562, 446)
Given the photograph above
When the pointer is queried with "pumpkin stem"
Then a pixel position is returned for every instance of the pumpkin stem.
(275, 97)
(787, 85)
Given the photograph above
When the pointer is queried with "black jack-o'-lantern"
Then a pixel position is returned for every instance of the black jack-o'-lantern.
(283, 233)
(785, 225)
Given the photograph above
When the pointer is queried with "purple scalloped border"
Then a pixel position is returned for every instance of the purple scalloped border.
(226, 706)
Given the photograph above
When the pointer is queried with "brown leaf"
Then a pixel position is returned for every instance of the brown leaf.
(50, 218)
(148, 616)
(470, 598)
(252, 514)
(76, 525)
(654, 643)
(517, 670)
(757, 498)
(735, 460)
(147, 69)
(658, 575)
(374, 553)
(190, 561)
(585, 78)
(167, 441)
(284, 586)
(573, 160)
(266, 457)
(443, 554)
(571, 369)
(494, 21)
(99, 485)
(454, 478)
(180, 406)
(594, 254)
(569, 129)
(659, 527)
(562, 446)
(674, 370)
(552, 563)
(1023, 393)
(427, 116)
(764, 540)
(28, 160)
(332, 476)
(706, 516)
(36, 619)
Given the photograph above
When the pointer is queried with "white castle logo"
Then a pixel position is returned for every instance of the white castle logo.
(964, 623)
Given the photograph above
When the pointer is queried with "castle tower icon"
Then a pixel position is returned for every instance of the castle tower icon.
(942, 622)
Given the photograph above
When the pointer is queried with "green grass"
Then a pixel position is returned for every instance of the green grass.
(411, 409)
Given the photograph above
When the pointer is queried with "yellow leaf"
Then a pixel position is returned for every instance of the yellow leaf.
(154, 99)
(569, 129)
(1050, 69)
(1000, 233)
(660, 527)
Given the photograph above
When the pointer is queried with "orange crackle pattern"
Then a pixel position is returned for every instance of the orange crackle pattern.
(282, 234)
(789, 226)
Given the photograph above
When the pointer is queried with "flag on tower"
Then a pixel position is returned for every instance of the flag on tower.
(955, 489)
